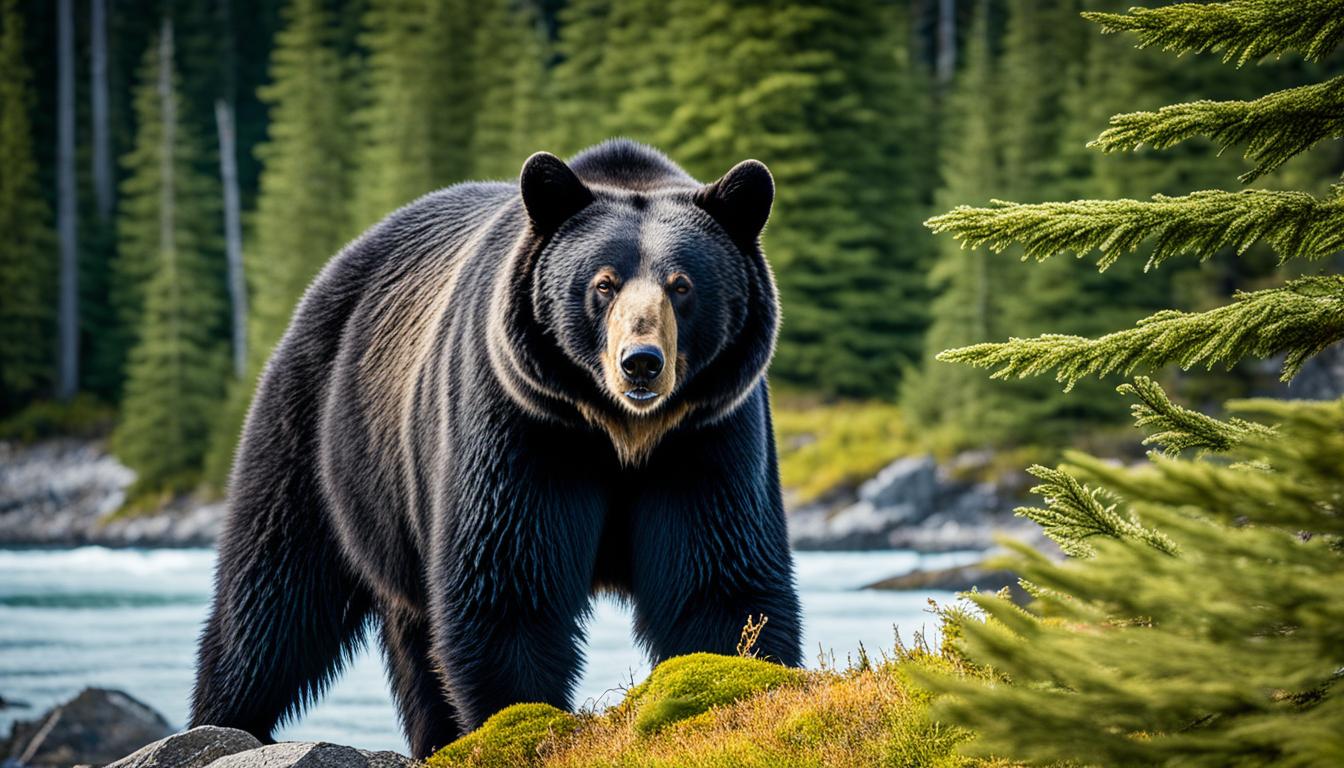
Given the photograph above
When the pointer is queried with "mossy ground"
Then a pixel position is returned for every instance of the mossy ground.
(511, 738)
(711, 711)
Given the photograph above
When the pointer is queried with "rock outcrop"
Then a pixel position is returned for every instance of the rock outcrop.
(109, 728)
(229, 748)
(195, 748)
(914, 503)
(65, 493)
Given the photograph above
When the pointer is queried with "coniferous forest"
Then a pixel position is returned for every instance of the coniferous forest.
(176, 171)
(985, 209)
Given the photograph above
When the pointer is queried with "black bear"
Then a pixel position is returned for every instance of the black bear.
(495, 403)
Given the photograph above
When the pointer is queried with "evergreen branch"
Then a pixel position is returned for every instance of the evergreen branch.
(1274, 127)
(1299, 319)
(1244, 30)
(1075, 513)
(1176, 428)
(1295, 224)
(1261, 495)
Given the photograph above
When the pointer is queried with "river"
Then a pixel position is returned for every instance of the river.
(129, 619)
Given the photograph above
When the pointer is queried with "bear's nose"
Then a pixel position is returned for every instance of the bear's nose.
(643, 363)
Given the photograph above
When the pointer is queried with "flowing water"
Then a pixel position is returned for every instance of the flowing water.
(129, 619)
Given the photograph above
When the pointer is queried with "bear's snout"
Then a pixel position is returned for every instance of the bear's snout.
(641, 338)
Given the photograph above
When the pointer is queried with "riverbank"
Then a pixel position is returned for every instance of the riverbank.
(64, 493)
(129, 620)
(69, 493)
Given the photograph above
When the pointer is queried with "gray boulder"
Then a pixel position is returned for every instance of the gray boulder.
(308, 754)
(913, 503)
(94, 728)
(910, 482)
(195, 748)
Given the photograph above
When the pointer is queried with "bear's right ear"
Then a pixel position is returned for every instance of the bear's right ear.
(551, 191)
(740, 201)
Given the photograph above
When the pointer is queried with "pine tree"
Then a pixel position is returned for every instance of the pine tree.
(814, 96)
(27, 353)
(614, 73)
(301, 220)
(968, 303)
(1198, 619)
(635, 70)
(1046, 53)
(581, 100)
(414, 131)
(169, 223)
(509, 67)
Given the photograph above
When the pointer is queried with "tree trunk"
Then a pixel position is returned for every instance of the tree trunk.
(103, 191)
(946, 64)
(228, 176)
(233, 234)
(67, 379)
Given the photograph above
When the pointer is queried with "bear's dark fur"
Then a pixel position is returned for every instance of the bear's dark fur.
(449, 444)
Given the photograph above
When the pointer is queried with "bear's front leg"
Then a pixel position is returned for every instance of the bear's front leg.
(710, 543)
(510, 581)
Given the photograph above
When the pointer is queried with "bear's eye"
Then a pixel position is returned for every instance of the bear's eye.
(680, 285)
(604, 285)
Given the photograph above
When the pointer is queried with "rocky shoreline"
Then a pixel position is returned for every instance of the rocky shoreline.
(101, 727)
(915, 503)
(65, 493)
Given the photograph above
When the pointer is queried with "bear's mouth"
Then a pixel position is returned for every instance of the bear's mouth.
(641, 394)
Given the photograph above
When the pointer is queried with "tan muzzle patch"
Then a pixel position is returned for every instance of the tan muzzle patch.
(641, 337)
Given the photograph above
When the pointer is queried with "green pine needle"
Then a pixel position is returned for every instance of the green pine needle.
(1274, 127)
(1244, 30)
(1176, 429)
(1075, 513)
(1298, 320)
(1295, 224)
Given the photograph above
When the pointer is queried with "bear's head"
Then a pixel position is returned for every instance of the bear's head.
(650, 300)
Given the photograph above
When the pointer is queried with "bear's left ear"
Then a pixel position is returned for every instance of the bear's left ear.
(551, 191)
(740, 201)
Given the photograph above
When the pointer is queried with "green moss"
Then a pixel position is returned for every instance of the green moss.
(511, 738)
(686, 686)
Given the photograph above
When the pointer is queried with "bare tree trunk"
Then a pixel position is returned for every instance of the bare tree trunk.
(233, 234)
(102, 146)
(946, 64)
(228, 176)
(67, 378)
